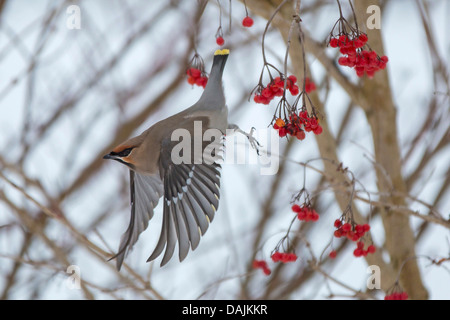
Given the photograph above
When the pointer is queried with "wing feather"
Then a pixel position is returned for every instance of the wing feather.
(145, 193)
(191, 197)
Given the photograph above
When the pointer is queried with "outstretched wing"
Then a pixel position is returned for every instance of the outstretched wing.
(191, 197)
(145, 191)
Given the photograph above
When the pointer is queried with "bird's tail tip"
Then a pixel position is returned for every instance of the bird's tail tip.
(222, 52)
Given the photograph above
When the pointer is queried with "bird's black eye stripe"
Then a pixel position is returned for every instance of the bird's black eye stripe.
(123, 153)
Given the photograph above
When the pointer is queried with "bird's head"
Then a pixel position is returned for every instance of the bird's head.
(123, 153)
(139, 153)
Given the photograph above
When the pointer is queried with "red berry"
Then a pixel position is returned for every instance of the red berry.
(257, 264)
(220, 41)
(276, 256)
(205, 81)
(247, 22)
(397, 296)
(277, 82)
(201, 82)
(371, 248)
(363, 37)
(303, 114)
(258, 99)
(191, 80)
(294, 90)
(282, 132)
(193, 72)
(332, 254)
(293, 78)
(334, 42)
(343, 50)
(300, 135)
(353, 236)
(266, 92)
(296, 208)
(372, 55)
(357, 252)
(261, 264)
(290, 257)
(337, 223)
(359, 43)
(346, 227)
(309, 85)
(302, 215)
(277, 92)
(313, 123)
(343, 61)
(359, 73)
(318, 130)
(370, 73)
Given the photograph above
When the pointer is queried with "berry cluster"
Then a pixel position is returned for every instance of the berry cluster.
(195, 77)
(364, 61)
(247, 22)
(261, 264)
(297, 125)
(347, 45)
(397, 296)
(305, 213)
(345, 230)
(360, 252)
(283, 257)
(276, 89)
(354, 234)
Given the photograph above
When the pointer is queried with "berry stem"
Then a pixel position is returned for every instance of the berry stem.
(295, 19)
(267, 27)
(246, 10)
(354, 15)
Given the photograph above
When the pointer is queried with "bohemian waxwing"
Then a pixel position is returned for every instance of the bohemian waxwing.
(190, 188)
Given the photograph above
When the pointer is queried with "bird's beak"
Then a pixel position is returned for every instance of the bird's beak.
(108, 156)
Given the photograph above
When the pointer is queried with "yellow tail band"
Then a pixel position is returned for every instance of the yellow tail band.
(222, 52)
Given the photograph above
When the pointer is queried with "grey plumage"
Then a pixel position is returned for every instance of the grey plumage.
(190, 191)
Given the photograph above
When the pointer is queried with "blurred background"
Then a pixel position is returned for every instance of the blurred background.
(70, 92)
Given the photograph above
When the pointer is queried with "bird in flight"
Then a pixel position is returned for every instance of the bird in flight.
(190, 187)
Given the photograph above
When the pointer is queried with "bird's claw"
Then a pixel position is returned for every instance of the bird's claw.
(253, 142)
